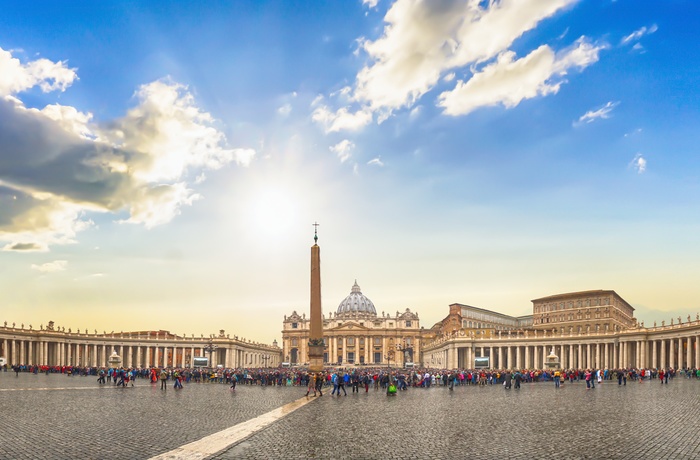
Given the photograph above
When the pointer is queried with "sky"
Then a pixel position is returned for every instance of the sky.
(162, 163)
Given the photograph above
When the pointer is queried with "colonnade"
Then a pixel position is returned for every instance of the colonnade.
(26, 347)
(364, 349)
(651, 351)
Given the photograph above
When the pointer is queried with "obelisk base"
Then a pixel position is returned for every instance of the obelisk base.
(316, 358)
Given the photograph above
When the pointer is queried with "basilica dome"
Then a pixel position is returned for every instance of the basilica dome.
(356, 302)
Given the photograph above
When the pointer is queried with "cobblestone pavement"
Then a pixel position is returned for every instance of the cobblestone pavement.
(639, 420)
(59, 417)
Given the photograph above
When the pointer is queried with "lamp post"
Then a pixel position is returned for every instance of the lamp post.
(265, 358)
(210, 348)
(389, 356)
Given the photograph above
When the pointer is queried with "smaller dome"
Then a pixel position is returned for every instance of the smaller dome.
(356, 302)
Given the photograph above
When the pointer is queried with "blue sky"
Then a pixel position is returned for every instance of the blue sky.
(161, 163)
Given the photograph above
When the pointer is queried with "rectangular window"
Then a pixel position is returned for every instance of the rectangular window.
(351, 357)
(351, 341)
(377, 358)
(408, 324)
(295, 325)
(377, 341)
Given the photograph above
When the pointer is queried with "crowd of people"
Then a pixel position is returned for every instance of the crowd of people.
(358, 380)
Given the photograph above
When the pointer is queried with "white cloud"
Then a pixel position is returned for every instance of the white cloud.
(343, 150)
(70, 119)
(376, 162)
(639, 163)
(639, 33)
(424, 39)
(639, 48)
(415, 112)
(285, 110)
(57, 166)
(508, 81)
(370, 3)
(593, 115)
(16, 77)
(50, 267)
(157, 205)
(425, 42)
(342, 119)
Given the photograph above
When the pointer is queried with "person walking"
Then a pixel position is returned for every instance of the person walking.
(320, 378)
(178, 381)
(163, 377)
(311, 384)
(557, 379)
(341, 385)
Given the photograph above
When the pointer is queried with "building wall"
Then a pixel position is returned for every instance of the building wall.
(587, 311)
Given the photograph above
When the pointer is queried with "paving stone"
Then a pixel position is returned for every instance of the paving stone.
(59, 417)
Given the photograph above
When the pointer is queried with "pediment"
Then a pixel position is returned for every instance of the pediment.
(349, 326)
(294, 317)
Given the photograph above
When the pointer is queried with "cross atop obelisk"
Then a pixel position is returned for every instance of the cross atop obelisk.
(316, 345)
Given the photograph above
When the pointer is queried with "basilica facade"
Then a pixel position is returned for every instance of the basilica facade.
(355, 335)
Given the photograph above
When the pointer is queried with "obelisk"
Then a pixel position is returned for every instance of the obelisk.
(316, 344)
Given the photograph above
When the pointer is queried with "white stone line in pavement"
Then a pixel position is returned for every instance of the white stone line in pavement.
(217, 442)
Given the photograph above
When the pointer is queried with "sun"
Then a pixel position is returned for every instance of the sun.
(274, 211)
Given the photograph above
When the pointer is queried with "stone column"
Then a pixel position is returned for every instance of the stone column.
(606, 361)
(672, 353)
(500, 358)
(544, 355)
(598, 362)
(333, 351)
(662, 361)
(5, 354)
(654, 360)
(518, 362)
(509, 358)
(697, 352)
(368, 350)
(689, 355)
(680, 353)
(527, 357)
(30, 356)
(579, 364)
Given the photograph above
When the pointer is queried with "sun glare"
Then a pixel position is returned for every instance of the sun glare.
(274, 211)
